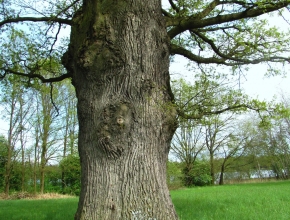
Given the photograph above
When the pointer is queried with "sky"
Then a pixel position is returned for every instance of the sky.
(265, 88)
(253, 82)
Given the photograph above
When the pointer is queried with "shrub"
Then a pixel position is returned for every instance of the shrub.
(197, 174)
(71, 168)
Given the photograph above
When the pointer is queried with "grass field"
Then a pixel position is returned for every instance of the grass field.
(265, 201)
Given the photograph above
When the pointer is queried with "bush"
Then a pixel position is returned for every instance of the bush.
(71, 168)
(174, 175)
(197, 174)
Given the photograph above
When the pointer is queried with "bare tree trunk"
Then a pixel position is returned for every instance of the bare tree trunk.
(43, 163)
(22, 115)
(35, 161)
(221, 181)
(10, 148)
(7, 173)
(64, 153)
(119, 59)
(46, 122)
(42, 169)
(23, 168)
(212, 174)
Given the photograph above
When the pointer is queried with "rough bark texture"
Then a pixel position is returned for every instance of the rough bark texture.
(119, 60)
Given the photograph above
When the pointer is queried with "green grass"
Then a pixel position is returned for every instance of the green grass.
(265, 201)
(49, 209)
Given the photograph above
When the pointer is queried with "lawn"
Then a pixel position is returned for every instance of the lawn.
(47, 209)
(265, 201)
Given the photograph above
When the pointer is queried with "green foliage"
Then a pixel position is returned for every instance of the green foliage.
(70, 166)
(208, 95)
(229, 40)
(3, 158)
(198, 174)
(174, 175)
(52, 179)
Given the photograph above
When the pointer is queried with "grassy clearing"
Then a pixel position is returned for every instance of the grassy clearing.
(244, 201)
(265, 201)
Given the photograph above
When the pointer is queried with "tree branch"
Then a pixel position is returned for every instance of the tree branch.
(223, 28)
(182, 24)
(207, 10)
(232, 61)
(166, 13)
(175, 49)
(202, 114)
(174, 6)
(38, 76)
(36, 19)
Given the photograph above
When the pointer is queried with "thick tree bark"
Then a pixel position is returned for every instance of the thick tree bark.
(119, 60)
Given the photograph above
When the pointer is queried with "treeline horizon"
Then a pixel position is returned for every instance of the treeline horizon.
(39, 153)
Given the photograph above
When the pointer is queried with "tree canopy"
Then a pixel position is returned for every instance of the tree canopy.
(220, 32)
(230, 33)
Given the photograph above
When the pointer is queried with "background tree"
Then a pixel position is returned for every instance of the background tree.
(49, 128)
(188, 140)
(70, 125)
(118, 59)
(3, 158)
(217, 133)
(16, 109)
(230, 152)
(209, 93)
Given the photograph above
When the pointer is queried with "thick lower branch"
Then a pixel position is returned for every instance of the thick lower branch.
(225, 60)
(241, 107)
(35, 19)
(38, 76)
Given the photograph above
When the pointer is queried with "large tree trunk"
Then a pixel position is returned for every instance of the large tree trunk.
(119, 59)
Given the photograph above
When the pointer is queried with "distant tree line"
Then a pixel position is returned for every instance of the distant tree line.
(231, 146)
(38, 148)
(38, 141)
